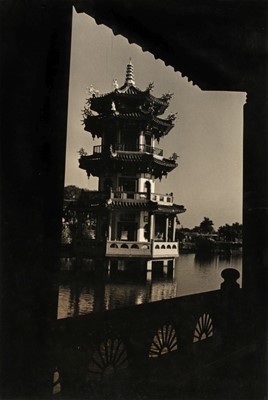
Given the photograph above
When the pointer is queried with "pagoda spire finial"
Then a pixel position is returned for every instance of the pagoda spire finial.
(130, 74)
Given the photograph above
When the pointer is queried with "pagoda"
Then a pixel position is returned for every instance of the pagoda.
(126, 220)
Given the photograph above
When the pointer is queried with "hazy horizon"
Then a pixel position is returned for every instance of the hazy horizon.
(208, 132)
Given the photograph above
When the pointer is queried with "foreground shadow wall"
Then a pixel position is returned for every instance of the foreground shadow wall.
(34, 86)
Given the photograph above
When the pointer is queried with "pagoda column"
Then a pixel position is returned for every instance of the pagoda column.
(151, 226)
(166, 236)
(174, 229)
(118, 136)
(113, 226)
(149, 269)
(110, 220)
(141, 141)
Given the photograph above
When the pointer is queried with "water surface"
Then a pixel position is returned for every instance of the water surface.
(84, 293)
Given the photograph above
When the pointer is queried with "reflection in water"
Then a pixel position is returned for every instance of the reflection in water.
(85, 292)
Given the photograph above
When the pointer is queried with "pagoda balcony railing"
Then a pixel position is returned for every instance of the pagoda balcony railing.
(121, 248)
(129, 195)
(143, 148)
(128, 248)
(165, 249)
(154, 249)
(160, 198)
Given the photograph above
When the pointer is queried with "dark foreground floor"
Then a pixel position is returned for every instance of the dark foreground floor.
(236, 379)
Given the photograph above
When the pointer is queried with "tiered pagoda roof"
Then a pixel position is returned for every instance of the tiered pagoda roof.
(116, 161)
(124, 95)
(144, 120)
(128, 103)
(101, 201)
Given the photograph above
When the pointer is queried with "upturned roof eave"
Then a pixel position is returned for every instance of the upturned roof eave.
(95, 167)
(131, 91)
(128, 156)
(128, 203)
(94, 123)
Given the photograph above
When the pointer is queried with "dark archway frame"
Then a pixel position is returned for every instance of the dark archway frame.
(219, 45)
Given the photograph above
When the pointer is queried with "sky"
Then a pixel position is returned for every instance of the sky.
(208, 131)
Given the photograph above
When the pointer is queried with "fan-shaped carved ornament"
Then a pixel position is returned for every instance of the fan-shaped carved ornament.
(109, 357)
(164, 341)
(204, 328)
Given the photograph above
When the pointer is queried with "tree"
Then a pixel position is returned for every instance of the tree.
(230, 233)
(71, 192)
(206, 226)
(82, 152)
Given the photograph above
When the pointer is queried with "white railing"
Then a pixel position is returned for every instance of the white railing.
(165, 249)
(159, 198)
(129, 195)
(128, 248)
(142, 249)
(162, 198)
(143, 148)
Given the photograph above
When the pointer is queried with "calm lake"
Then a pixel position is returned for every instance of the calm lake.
(85, 293)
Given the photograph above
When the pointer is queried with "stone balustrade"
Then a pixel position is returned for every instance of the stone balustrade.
(142, 347)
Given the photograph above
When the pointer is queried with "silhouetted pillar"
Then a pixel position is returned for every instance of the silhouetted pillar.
(230, 307)
(255, 219)
(255, 194)
(34, 84)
